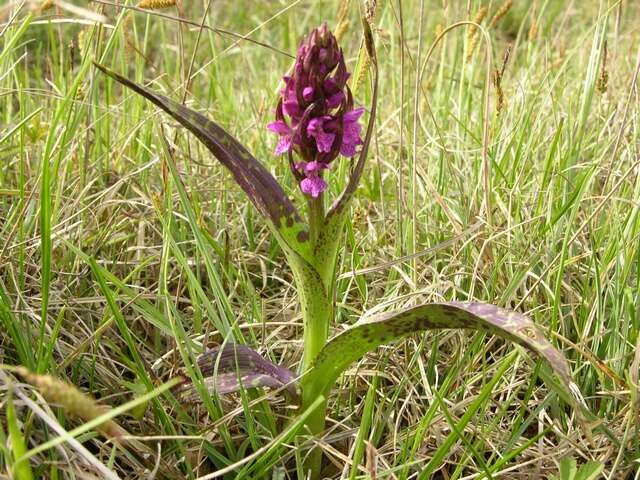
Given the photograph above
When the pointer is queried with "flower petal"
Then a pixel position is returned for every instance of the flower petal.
(348, 149)
(307, 93)
(284, 145)
(292, 108)
(324, 140)
(280, 127)
(313, 167)
(334, 100)
(353, 115)
(313, 186)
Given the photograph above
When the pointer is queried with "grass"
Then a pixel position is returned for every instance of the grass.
(125, 249)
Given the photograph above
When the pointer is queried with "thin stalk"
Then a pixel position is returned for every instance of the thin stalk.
(316, 217)
(315, 298)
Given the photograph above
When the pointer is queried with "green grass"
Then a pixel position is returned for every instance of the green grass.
(125, 249)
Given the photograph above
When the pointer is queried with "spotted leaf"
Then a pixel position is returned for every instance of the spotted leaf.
(345, 197)
(331, 233)
(261, 187)
(351, 345)
(232, 367)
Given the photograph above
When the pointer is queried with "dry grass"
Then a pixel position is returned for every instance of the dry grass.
(562, 243)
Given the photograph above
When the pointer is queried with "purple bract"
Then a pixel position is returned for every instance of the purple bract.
(315, 116)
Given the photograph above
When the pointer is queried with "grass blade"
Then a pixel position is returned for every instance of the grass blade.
(21, 468)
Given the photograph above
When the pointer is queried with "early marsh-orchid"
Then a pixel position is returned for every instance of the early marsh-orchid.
(315, 115)
(316, 121)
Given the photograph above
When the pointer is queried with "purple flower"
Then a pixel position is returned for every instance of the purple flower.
(315, 116)
(351, 132)
(324, 139)
(286, 135)
(312, 184)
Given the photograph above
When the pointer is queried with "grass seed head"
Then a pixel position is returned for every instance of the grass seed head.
(343, 20)
(533, 31)
(501, 12)
(473, 35)
(497, 81)
(603, 80)
(156, 4)
(46, 5)
(72, 400)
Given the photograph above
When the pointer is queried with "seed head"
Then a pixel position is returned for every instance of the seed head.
(71, 399)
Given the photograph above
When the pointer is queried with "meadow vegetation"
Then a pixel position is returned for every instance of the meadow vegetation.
(503, 169)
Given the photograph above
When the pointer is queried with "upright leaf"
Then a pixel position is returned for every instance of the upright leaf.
(255, 180)
(331, 234)
(354, 179)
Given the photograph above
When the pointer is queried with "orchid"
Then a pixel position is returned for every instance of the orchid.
(315, 115)
(316, 122)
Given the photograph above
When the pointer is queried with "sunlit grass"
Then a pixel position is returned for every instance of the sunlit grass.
(133, 277)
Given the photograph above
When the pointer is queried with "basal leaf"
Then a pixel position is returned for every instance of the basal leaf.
(569, 470)
(364, 336)
(229, 368)
(260, 186)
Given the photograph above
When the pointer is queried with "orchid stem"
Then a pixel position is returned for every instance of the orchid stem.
(317, 312)
(316, 217)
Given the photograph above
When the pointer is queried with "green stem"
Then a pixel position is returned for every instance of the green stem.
(316, 218)
(315, 337)
(317, 313)
(315, 298)
(313, 291)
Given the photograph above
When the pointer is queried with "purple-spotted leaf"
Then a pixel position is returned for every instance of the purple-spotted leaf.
(232, 367)
(261, 187)
(351, 345)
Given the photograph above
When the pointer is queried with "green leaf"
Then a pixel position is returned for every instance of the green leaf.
(354, 179)
(366, 335)
(590, 471)
(261, 187)
(568, 470)
(21, 468)
(331, 233)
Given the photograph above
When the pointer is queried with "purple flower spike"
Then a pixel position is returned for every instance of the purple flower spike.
(315, 116)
